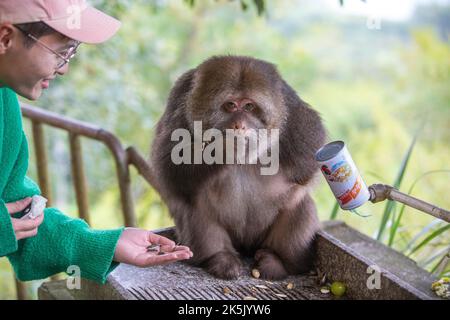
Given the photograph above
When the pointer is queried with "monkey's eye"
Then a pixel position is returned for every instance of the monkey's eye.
(249, 107)
(230, 106)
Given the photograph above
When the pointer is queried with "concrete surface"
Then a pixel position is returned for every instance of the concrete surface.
(343, 254)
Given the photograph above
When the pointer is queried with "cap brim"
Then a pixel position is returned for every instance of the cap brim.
(93, 26)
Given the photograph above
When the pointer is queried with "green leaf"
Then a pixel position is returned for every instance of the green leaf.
(397, 222)
(260, 6)
(390, 205)
(434, 255)
(244, 5)
(432, 236)
(375, 175)
(334, 211)
(445, 259)
(191, 3)
(341, 2)
(424, 231)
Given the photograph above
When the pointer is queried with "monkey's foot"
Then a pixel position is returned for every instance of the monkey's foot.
(269, 265)
(224, 265)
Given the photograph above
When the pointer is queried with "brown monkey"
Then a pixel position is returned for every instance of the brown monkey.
(222, 210)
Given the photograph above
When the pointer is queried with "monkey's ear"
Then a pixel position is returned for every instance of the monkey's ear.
(181, 90)
(302, 136)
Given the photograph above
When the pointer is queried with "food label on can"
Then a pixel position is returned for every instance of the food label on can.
(342, 175)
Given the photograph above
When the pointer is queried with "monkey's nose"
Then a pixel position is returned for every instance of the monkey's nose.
(239, 125)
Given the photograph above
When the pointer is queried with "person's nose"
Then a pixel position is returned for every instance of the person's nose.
(63, 70)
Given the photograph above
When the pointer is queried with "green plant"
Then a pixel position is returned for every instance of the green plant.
(396, 225)
(431, 232)
(389, 210)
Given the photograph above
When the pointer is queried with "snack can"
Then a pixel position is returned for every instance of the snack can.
(342, 175)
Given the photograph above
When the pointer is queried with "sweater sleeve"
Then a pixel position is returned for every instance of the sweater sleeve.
(61, 241)
(8, 242)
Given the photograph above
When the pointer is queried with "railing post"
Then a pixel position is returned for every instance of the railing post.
(42, 167)
(123, 175)
(41, 161)
(21, 289)
(123, 159)
(44, 184)
(79, 178)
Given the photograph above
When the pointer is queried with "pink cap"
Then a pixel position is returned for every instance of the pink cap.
(73, 18)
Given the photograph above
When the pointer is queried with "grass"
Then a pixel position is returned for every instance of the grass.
(389, 210)
(434, 234)
(402, 209)
(424, 242)
(334, 212)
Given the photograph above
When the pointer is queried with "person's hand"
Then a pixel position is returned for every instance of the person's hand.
(23, 228)
(143, 248)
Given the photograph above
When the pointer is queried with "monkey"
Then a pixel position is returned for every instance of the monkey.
(226, 211)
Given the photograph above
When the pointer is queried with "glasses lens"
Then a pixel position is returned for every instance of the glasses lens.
(70, 53)
(67, 56)
(61, 63)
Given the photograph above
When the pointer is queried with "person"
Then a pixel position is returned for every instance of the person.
(37, 40)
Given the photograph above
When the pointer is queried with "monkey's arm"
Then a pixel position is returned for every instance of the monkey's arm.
(184, 180)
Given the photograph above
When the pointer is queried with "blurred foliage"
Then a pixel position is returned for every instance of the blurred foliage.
(373, 88)
(259, 4)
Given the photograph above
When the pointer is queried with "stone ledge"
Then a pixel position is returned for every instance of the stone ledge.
(343, 254)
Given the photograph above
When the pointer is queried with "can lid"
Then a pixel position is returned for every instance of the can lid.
(329, 150)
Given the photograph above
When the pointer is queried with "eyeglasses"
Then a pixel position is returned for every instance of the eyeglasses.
(62, 59)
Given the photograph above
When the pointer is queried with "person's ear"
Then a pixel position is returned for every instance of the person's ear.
(6, 37)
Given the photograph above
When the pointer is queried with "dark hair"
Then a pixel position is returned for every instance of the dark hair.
(37, 29)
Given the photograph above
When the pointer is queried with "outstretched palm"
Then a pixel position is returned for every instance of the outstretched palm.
(143, 248)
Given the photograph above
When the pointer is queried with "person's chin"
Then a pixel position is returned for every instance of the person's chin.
(33, 94)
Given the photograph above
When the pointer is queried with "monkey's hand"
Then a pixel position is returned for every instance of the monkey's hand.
(143, 248)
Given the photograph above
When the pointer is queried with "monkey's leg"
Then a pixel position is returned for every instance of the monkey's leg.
(288, 248)
(211, 245)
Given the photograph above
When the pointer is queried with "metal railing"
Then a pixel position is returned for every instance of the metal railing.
(77, 129)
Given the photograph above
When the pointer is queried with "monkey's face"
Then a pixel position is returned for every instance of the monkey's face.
(237, 93)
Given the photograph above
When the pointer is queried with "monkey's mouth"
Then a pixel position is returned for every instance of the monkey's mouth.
(237, 135)
(247, 132)
(241, 132)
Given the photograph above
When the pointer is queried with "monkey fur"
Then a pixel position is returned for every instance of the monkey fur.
(224, 210)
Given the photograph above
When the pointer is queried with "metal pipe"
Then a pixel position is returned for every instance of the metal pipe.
(21, 290)
(142, 166)
(123, 174)
(79, 178)
(94, 132)
(123, 158)
(381, 192)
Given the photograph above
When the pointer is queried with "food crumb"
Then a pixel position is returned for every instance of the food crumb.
(226, 290)
(255, 273)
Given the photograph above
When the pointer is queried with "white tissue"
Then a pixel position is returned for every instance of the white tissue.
(37, 207)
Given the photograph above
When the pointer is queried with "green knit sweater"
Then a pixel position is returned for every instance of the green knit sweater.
(61, 241)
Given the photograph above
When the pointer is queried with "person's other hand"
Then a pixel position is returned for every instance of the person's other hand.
(143, 248)
(26, 228)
